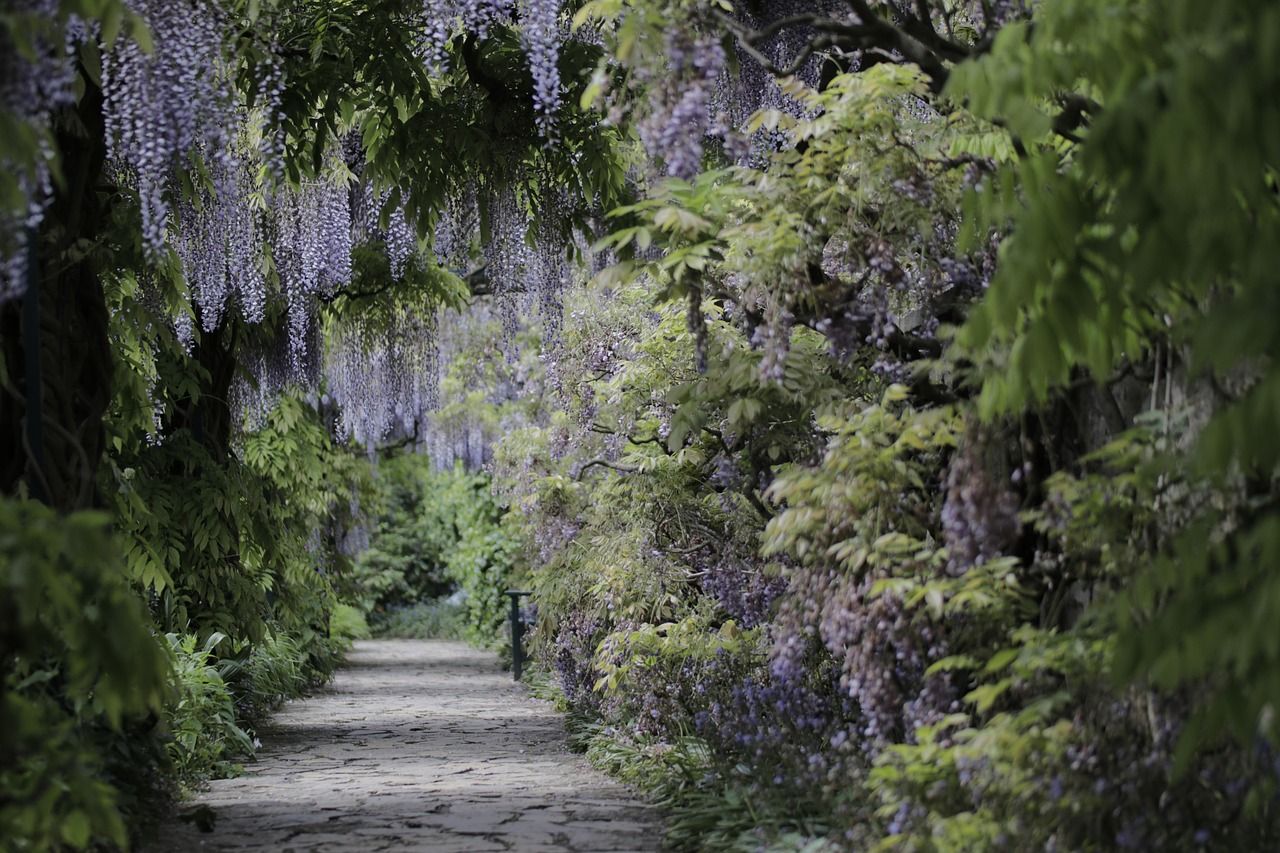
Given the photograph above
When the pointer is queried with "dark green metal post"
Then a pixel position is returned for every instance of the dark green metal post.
(517, 633)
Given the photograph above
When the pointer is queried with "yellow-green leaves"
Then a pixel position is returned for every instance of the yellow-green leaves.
(857, 508)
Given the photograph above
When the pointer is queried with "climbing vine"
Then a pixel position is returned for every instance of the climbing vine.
(877, 398)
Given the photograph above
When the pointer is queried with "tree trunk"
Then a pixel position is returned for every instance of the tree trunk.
(208, 416)
(55, 345)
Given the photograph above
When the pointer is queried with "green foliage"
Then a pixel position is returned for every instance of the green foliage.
(25, 147)
(206, 737)
(428, 136)
(758, 237)
(637, 652)
(66, 605)
(431, 620)
(482, 564)
(51, 791)
(1156, 229)
(216, 542)
(376, 299)
(673, 776)
(437, 532)
(347, 624)
(414, 533)
(1123, 156)
(870, 506)
(76, 656)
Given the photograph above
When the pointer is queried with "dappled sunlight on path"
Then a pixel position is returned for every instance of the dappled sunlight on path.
(418, 745)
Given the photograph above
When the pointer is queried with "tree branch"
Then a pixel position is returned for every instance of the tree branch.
(603, 463)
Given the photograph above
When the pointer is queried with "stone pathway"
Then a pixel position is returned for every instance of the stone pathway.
(418, 745)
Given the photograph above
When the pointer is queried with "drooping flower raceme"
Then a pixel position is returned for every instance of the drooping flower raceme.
(384, 378)
(220, 242)
(164, 105)
(540, 30)
(312, 252)
(31, 89)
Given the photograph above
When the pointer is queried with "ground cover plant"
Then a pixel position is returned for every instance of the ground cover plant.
(878, 399)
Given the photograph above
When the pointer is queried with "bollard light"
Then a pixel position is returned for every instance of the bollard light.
(517, 633)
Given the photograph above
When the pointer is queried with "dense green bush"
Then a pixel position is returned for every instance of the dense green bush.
(102, 716)
(411, 536)
(950, 562)
(347, 623)
(205, 734)
(226, 688)
(427, 620)
(80, 667)
(438, 532)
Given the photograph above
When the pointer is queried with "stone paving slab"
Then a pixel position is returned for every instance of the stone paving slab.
(418, 745)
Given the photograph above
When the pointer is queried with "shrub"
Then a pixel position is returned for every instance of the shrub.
(428, 620)
(264, 674)
(78, 661)
(202, 721)
(347, 623)
(438, 531)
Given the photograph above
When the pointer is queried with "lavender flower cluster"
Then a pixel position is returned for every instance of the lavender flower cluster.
(31, 90)
(573, 654)
(736, 97)
(741, 587)
(699, 94)
(882, 650)
(681, 113)
(789, 724)
(398, 238)
(220, 240)
(270, 96)
(269, 373)
(164, 105)
(542, 33)
(312, 251)
(527, 278)
(442, 19)
(385, 378)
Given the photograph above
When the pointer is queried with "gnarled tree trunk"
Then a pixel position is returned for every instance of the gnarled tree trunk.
(54, 342)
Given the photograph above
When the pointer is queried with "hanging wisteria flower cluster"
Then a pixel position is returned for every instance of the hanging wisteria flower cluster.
(681, 116)
(384, 378)
(524, 277)
(456, 229)
(443, 19)
(269, 373)
(220, 241)
(398, 237)
(163, 105)
(542, 33)
(312, 252)
(30, 90)
(270, 95)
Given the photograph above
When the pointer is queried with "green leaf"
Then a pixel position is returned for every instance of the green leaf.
(76, 829)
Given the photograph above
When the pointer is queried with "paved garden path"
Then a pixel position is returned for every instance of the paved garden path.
(417, 745)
